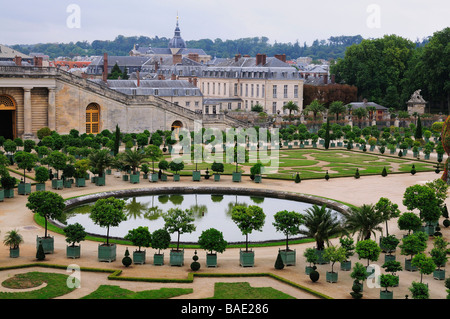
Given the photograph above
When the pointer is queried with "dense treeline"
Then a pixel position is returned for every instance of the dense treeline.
(332, 48)
(388, 70)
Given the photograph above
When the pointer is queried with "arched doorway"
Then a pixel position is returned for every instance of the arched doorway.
(176, 126)
(7, 117)
(93, 118)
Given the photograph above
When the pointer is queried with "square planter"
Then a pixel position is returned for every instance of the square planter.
(9, 193)
(211, 260)
(439, 274)
(196, 175)
(388, 257)
(67, 183)
(177, 257)
(108, 171)
(125, 178)
(308, 270)
(107, 252)
(24, 188)
(40, 187)
(48, 243)
(216, 177)
(154, 177)
(408, 265)
(158, 259)
(2, 195)
(80, 182)
(258, 179)
(145, 176)
(331, 276)
(164, 177)
(246, 258)
(134, 178)
(176, 177)
(288, 256)
(100, 180)
(14, 252)
(236, 176)
(57, 184)
(386, 294)
(346, 265)
(139, 257)
(73, 251)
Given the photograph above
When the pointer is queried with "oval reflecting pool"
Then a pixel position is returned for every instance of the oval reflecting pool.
(210, 211)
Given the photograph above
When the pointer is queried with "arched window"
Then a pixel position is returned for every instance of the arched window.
(7, 103)
(92, 118)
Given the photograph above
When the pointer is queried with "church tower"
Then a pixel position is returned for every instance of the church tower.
(177, 43)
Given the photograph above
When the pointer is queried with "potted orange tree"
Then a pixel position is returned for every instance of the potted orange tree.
(140, 237)
(213, 241)
(289, 224)
(160, 240)
(75, 233)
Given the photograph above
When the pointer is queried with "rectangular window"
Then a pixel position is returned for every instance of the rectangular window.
(239, 105)
(263, 91)
(246, 90)
(156, 92)
(274, 91)
(229, 106)
(253, 89)
(206, 109)
(188, 104)
(274, 108)
(235, 89)
(285, 91)
(295, 91)
(257, 90)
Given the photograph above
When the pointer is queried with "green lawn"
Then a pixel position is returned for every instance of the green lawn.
(243, 290)
(116, 292)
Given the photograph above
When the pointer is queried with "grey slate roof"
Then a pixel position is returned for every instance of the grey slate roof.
(356, 105)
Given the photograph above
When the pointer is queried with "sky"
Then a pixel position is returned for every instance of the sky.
(63, 21)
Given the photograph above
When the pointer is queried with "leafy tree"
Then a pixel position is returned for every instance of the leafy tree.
(25, 161)
(334, 254)
(47, 204)
(160, 239)
(248, 219)
(41, 174)
(179, 221)
(419, 290)
(217, 167)
(368, 249)
(388, 280)
(212, 240)
(425, 264)
(409, 221)
(154, 153)
(176, 166)
(108, 212)
(75, 233)
(288, 223)
(413, 244)
(424, 199)
(387, 209)
(140, 237)
(57, 160)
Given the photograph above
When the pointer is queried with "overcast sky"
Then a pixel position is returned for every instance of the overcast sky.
(30, 22)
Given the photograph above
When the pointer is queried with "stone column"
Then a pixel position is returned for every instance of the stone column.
(51, 109)
(27, 117)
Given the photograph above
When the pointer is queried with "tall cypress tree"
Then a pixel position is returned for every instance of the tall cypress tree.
(418, 133)
(327, 134)
(116, 140)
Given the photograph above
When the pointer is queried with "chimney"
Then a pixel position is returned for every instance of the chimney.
(263, 59)
(138, 78)
(105, 67)
(38, 61)
(325, 79)
(177, 59)
(237, 57)
(258, 59)
(332, 78)
(193, 56)
(156, 67)
(195, 81)
(173, 77)
(18, 60)
(281, 57)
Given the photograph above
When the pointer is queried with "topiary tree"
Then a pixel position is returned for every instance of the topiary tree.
(334, 254)
(212, 240)
(41, 174)
(195, 265)
(279, 262)
(248, 219)
(160, 239)
(419, 290)
(108, 212)
(40, 254)
(127, 261)
(75, 233)
(413, 244)
(314, 274)
(176, 166)
(25, 161)
(47, 204)
(154, 153)
(424, 263)
(409, 221)
(140, 237)
(217, 167)
(179, 221)
(388, 280)
(288, 223)
(368, 249)
(57, 160)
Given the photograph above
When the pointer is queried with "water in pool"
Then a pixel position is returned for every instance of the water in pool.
(210, 211)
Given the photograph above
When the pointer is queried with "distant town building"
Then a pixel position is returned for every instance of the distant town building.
(416, 104)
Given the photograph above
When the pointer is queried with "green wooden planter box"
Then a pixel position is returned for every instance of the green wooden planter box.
(139, 257)
(258, 179)
(67, 184)
(108, 171)
(331, 276)
(408, 265)
(24, 188)
(439, 274)
(247, 258)
(177, 257)
(48, 243)
(176, 177)
(125, 177)
(346, 265)
(196, 175)
(216, 177)
(308, 270)
(158, 259)
(101, 181)
(164, 177)
(236, 177)
(57, 184)
(289, 257)
(388, 257)
(14, 252)
(2, 195)
(211, 260)
(134, 178)
(154, 177)
(107, 252)
(9, 193)
(145, 176)
(40, 187)
(386, 294)
(73, 251)
(80, 182)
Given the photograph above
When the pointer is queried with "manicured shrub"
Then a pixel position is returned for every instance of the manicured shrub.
(126, 261)
(314, 274)
(279, 262)
(357, 174)
(297, 178)
(195, 265)
(40, 255)
(384, 172)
